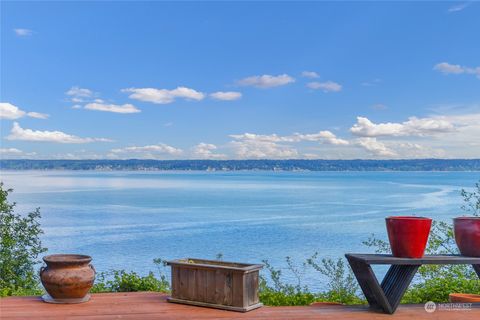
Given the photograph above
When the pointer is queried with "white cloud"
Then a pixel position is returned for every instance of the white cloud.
(18, 133)
(266, 81)
(251, 145)
(310, 74)
(77, 106)
(447, 68)
(458, 7)
(14, 153)
(11, 112)
(21, 32)
(375, 147)
(164, 96)
(205, 151)
(257, 149)
(260, 137)
(155, 151)
(38, 115)
(78, 92)
(328, 86)
(413, 127)
(10, 151)
(226, 95)
(125, 108)
(322, 136)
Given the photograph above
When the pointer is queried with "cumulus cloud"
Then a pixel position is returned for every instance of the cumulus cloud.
(251, 145)
(375, 147)
(21, 32)
(413, 127)
(206, 151)
(328, 86)
(125, 108)
(226, 95)
(310, 74)
(323, 136)
(266, 81)
(11, 112)
(257, 149)
(19, 133)
(447, 68)
(154, 151)
(164, 96)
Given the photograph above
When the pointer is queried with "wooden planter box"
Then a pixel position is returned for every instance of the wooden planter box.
(215, 284)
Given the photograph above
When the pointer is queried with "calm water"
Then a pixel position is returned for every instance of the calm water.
(126, 219)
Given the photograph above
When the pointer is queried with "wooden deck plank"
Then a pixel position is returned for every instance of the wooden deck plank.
(150, 305)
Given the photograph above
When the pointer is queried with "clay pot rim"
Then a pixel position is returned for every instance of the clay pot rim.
(67, 259)
(466, 218)
(408, 218)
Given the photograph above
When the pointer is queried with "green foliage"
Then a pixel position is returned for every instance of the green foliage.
(122, 281)
(278, 293)
(435, 283)
(341, 284)
(20, 247)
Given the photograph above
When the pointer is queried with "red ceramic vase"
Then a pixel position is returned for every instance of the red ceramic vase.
(408, 236)
(467, 235)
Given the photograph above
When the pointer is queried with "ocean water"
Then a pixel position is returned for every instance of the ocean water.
(126, 219)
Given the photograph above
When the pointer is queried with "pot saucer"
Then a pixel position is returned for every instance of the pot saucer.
(47, 298)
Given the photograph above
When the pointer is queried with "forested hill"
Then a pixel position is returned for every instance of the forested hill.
(234, 165)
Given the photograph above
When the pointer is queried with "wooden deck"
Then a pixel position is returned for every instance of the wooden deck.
(148, 305)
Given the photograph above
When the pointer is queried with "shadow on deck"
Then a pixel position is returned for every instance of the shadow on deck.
(150, 305)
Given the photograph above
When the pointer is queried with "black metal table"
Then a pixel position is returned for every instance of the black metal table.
(387, 295)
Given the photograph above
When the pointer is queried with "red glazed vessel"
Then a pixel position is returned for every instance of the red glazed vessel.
(467, 235)
(408, 236)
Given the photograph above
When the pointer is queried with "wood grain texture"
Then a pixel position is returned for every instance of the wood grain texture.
(149, 305)
(226, 285)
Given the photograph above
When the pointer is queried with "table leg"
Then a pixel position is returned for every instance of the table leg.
(476, 267)
(396, 282)
(386, 296)
(369, 284)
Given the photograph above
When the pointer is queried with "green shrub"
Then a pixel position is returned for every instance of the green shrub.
(123, 281)
(341, 287)
(20, 247)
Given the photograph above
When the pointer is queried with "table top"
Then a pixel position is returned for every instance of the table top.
(427, 259)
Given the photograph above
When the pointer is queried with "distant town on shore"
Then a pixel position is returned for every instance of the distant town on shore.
(242, 165)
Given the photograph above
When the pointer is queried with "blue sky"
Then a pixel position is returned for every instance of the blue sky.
(240, 80)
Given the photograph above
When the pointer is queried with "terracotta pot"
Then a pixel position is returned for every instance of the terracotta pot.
(463, 298)
(467, 235)
(67, 276)
(408, 236)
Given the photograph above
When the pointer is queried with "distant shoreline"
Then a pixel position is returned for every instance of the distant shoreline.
(297, 165)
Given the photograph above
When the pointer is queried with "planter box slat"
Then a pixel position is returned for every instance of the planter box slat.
(217, 284)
